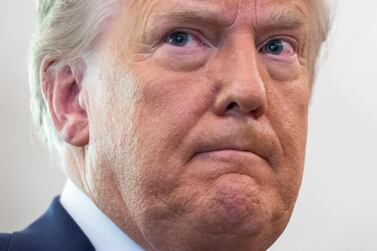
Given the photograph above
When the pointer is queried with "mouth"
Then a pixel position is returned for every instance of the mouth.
(226, 154)
(229, 149)
(217, 162)
(246, 149)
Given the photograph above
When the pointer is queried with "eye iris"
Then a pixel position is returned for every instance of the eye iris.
(178, 39)
(275, 47)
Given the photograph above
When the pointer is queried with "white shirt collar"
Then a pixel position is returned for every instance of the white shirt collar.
(100, 230)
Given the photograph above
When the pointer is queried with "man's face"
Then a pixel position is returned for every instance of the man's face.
(198, 119)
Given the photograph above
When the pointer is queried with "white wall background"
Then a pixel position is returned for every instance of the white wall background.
(337, 206)
(28, 179)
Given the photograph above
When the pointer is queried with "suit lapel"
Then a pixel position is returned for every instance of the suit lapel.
(53, 231)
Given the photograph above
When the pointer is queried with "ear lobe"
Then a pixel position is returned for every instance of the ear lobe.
(62, 90)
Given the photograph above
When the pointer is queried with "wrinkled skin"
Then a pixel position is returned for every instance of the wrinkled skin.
(198, 146)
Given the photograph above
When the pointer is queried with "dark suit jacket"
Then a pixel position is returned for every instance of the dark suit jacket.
(53, 231)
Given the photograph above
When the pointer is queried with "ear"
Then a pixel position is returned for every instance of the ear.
(62, 90)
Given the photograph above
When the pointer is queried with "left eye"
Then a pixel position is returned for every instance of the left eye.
(278, 47)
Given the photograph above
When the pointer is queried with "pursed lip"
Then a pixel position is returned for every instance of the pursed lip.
(235, 146)
(233, 142)
(232, 157)
(226, 149)
(227, 153)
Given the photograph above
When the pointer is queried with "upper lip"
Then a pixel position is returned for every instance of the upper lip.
(234, 147)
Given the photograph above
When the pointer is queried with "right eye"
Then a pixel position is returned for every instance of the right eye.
(179, 38)
(184, 39)
(182, 49)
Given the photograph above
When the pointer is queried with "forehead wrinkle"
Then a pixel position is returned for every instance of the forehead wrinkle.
(188, 14)
(201, 9)
(209, 14)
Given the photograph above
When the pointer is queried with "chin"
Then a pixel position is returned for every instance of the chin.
(229, 211)
(232, 213)
(237, 206)
(240, 223)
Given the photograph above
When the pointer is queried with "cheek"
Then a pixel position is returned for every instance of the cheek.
(169, 104)
(288, 111)
(111, 105)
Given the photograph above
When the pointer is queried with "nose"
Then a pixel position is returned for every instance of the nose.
(239, 81)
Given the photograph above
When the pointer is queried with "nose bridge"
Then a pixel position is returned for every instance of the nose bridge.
(243, 64)
(242, 82)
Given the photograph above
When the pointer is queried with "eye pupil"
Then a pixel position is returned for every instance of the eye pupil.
(274, 47)
(178, 39)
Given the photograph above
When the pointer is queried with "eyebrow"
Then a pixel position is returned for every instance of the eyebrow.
(282, 19)
(210, 19)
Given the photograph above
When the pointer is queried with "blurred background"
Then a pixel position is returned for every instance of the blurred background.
(337, 206)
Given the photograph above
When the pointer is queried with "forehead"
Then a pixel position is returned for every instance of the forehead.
(226, 10)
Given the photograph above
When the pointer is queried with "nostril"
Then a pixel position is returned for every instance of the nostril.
(236, 108)
(231, 106)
